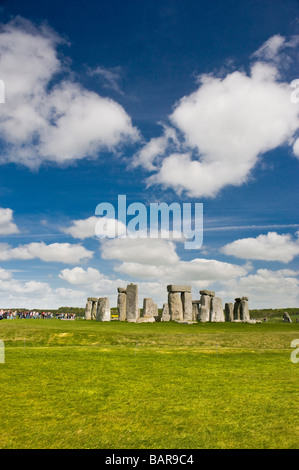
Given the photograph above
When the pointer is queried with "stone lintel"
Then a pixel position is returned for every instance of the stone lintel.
(178, 288)
(122, 290)
(211, 293)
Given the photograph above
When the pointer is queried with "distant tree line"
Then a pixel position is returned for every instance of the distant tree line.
(273, 312)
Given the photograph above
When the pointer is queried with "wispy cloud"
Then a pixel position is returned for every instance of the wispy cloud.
(110, 77)
(249, 227)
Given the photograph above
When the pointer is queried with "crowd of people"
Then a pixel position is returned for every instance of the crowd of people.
(32, 314)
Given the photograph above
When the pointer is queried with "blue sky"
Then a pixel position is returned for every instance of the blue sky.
(171, 101)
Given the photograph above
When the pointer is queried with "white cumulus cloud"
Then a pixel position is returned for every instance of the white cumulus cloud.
(141, 250)
(269, 247)
(80, 276)
(265, 288)
(55, 252)
(226, 125)
(95, 226)
(7, 226)
(157, 260)
(40, 122)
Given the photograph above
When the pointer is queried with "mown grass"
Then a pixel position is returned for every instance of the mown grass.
(164, 385)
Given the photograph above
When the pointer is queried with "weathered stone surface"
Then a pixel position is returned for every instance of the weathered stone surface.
(92, 299)
(195, 309)
(205, 300)
(244, 310)
(103, 310)
(156, 310)
(88, 307)
(148, 308)
(211, 293)
(204, 314)
(121, 306)
(175, 306)
(244, 298)
(146, 320)
(178, 288)
(216, 314)
(121, 290)
(237, 309)
(287, 318)
(186, 298)
(165, 313)
(132, 303)
(229, 312)
(94, 309)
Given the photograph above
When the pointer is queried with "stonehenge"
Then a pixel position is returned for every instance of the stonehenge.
(91, 308)
(229, 311)
(241, 309)
(180, 307)
(204, 314)
(132, 310)
(149, 311)
(122, 303)
(244, 309)
(165, 313)
(195, 309)
(97, 309)
(103, 309)
(180, 303)
(216, 313)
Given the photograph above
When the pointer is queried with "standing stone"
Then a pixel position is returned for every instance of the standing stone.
(229, 312)
(195, 309)
(205, 300)
(204, 314)
(88, 310)
(244, 309)
(175, 306)
(148, 307)
(186, 298)
(216, 314)
(148, 312)
(287, 318)
(132, 303)
(103, 310)
(237, 309)
(121, 306)
(205, 305)
(165, 313)
(94, 307)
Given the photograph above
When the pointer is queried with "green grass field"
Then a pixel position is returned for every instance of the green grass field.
(116, 385)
